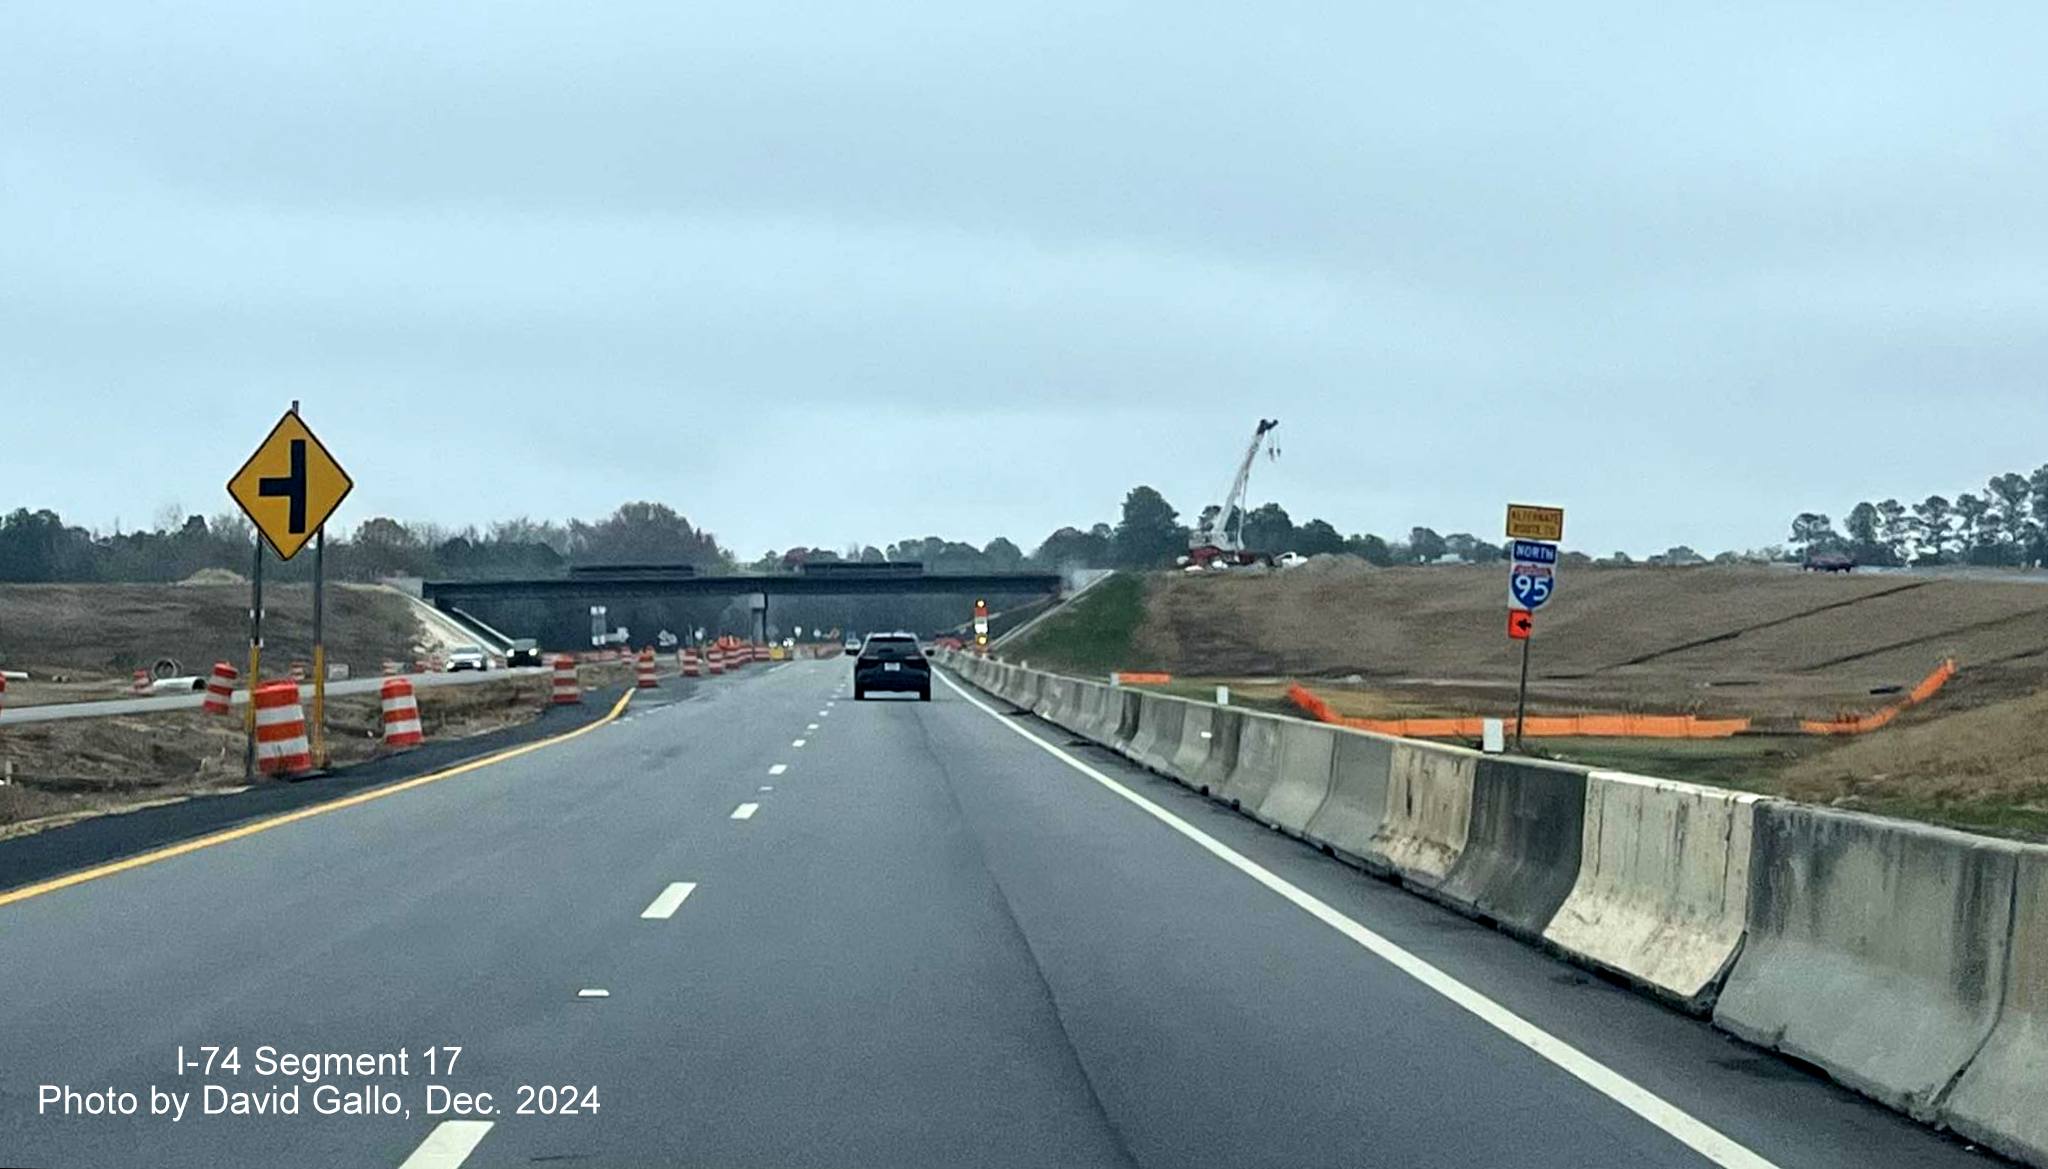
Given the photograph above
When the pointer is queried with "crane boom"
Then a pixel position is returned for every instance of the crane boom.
(1217, 533)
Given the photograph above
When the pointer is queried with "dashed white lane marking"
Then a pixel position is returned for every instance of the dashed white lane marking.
(812, 727)
(1682, 1126)
(745, 811)
(767, 787)
(448, 1146)
(671, 899)
(778, 769)
(798, 742)
(593, 992)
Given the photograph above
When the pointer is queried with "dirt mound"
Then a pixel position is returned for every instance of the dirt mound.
(83, 766)
(1710, 640)
(1333, 564)
(110, 630)
(215, 576)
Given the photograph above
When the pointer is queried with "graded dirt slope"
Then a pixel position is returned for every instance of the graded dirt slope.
(77, 767)
(110, 630)
(1766, 642)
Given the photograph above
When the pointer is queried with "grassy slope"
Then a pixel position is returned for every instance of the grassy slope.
(1093, 635)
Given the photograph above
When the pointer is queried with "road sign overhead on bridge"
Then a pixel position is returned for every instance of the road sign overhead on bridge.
(290, 485)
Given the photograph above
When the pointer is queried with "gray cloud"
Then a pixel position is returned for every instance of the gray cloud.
(1685, 273)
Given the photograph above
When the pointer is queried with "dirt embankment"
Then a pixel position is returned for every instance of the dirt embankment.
(74, 767)
(111, 630)
(1713, 640)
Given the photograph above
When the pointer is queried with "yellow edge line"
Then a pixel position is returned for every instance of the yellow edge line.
(149, 858)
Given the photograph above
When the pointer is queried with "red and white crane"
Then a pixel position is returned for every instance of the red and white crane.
(1218, 541)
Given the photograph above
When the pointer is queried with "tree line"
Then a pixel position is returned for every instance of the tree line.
(38, 546)
(2005, 524)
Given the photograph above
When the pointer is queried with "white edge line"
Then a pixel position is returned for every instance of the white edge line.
(448, 1146)
(745, 811)
(671, 899)
(1688, 1130)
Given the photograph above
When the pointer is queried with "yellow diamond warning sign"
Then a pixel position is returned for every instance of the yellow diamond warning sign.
(290, 485)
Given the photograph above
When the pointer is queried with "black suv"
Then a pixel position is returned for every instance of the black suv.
(892, 661)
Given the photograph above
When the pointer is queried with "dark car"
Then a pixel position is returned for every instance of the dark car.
(524, 651)
(892, 661)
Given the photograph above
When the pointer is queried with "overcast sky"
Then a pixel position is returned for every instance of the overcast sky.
(816, 273)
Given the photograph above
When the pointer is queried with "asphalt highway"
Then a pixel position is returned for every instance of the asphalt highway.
(759, 924)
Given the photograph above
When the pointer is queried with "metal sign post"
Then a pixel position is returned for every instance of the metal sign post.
(255, 663)
(288, 489)
(1522, 691)
(319, 648)
(1532, 582)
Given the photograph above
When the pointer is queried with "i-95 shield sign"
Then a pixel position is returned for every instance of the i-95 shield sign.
(1531, 585)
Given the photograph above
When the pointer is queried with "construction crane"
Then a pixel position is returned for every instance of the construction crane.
(1219, 540)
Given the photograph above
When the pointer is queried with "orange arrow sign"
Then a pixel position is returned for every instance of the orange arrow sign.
(1520, 622)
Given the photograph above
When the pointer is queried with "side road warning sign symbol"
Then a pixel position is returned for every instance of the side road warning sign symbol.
(290, 486)
(1520, 622)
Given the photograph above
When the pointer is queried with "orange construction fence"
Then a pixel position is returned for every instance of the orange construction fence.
(1856, 724)
(1604, 726)
(1139, 678)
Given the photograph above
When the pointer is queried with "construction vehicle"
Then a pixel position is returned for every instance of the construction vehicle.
(1218, 542)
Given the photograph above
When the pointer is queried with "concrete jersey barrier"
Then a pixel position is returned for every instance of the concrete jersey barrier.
(1101, 707)
(1052, 690)
(1068, 716)
(1357, 805)
(1429, 811)
(1307, 752)
(1197, 735)
(1662, 894)
(1158, 734)
(1521, 855)
(1226, 728)
(2002, 1099)
(1876, 949)
(1126, 715)
(1029, 682)
(1257, 767)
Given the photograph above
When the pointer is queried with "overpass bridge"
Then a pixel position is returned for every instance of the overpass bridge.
(648, 598)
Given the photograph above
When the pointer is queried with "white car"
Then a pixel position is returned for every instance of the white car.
(1289, 560)
(467, 657)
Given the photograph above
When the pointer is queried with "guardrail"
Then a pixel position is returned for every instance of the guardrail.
(56, 711)
(1909, 963)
